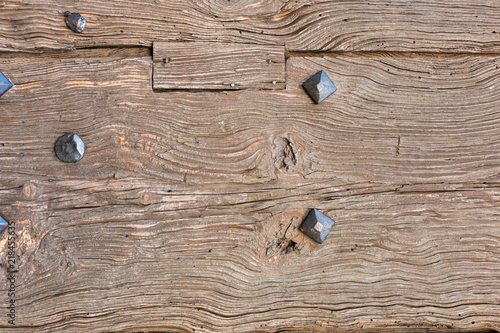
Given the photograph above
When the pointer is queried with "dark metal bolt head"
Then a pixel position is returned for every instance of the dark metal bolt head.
(75, 21)
(5, 84)
(69, 148)
(317, 225)
(3, 224)
(319, 86)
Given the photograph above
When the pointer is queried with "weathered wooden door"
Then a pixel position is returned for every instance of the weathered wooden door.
(203, 154)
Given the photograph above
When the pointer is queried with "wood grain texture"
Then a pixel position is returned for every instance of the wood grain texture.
(392, 120)
(183, 214)
(223, 66)
(302, 25)
(394, 260)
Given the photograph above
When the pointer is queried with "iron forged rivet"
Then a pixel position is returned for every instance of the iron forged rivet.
(5, 84)
(75, 21)
(317, 225)
(69, 148)
(274, 82)
(3, 224)
(319, 86)
(232, 84)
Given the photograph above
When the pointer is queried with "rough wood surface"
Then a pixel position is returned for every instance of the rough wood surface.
(224, 66)
(183, 214)
(301, 25)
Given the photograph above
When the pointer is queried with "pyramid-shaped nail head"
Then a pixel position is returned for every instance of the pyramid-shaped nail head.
(317, 225)
(5, 84)
(3, 224)
(76, 22)
(70, 148)
(319, 86)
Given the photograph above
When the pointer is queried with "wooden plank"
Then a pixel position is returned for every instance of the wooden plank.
(226, 66)
(183, 214)
(122, 253)
(303, 25)
(392, 120)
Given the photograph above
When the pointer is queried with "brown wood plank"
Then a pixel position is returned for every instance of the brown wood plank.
(101, 255)
(304, 25)
(183, 214)
(225, 66)
(392, 120)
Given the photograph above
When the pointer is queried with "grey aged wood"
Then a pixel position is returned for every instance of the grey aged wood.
(224, 66)
(300, 25)
(183, 214)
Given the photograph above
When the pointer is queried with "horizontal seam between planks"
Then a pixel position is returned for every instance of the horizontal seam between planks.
(133, 50)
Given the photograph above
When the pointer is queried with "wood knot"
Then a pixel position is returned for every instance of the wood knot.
(279, 241)
(285, 155)
(29, 191)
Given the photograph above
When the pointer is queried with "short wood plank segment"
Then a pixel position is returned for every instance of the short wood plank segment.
(223, 66)
(302, 25)
(184, 212)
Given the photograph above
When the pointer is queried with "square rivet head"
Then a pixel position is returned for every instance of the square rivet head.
(319, 86)
(5, 84)
(3, 224)
(317, 225)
